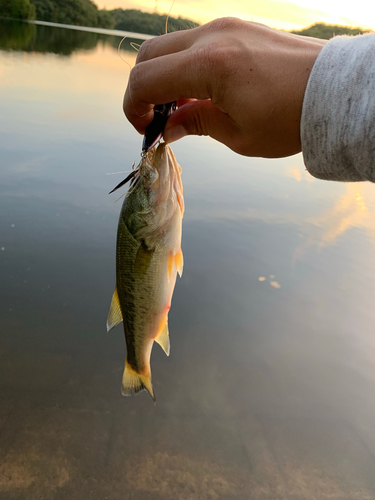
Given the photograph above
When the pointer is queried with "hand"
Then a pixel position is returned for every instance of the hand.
(239, 82)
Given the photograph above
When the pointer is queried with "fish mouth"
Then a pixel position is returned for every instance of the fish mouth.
(145, 164)
(158, 163)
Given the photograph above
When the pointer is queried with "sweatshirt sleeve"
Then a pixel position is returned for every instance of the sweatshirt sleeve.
(338, 113)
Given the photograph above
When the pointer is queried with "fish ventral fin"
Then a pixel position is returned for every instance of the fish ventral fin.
(179, 260)
(115, 314)
(133, 382)
(175, 259)
(162, 338)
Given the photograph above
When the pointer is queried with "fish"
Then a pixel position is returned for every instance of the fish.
(148, 258)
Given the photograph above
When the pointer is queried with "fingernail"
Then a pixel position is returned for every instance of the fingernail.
(174, 133)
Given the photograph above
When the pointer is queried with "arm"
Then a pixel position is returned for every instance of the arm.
(338, 116)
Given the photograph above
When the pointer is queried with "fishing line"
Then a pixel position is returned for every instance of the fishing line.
(119, 198)
(119, 53)
(166, 21)
(135, 46)
(121, 172)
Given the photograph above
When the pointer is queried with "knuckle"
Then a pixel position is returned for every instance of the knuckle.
(145, 50)
(135, 78)
(224, 23)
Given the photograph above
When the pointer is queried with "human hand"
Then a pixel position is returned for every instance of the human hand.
(239, 82)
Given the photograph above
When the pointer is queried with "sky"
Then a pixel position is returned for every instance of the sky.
(275, 13)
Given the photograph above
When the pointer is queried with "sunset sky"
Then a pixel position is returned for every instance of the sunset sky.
(276, 13)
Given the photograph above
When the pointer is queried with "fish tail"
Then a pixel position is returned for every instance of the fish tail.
(133, 382)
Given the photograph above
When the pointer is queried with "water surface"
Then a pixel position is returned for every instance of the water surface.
(269, 391)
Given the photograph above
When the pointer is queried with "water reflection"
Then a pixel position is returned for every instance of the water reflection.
(18, 35)
(268, 391)
(15, 35)
(353, 209)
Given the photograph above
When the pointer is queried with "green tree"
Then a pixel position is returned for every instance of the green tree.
(86, 13)
(44, 9)
(18, 9)
(105, 20)
(144, 22)
(327, 31)
(77, 12)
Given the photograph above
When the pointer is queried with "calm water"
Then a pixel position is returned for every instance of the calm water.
(269, 392)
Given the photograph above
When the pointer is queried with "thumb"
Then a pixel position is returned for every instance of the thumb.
(201, 118)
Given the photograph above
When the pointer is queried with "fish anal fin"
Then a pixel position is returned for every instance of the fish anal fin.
(179, 260)
(115, 314)
(134, 382)
(162, 337)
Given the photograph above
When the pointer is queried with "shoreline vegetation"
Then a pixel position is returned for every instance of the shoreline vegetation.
(87, 13)
(327, 31)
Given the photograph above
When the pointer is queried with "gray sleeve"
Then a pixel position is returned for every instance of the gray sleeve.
(338, 114)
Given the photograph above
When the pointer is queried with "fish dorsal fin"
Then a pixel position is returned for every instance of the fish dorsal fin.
(163, 338)
(115, 314)
(179, 260)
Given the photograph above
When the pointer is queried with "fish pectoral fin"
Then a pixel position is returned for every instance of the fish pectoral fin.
(162, 338)
(115, 314)
(133, 382)
(143, 258)
(179, 260)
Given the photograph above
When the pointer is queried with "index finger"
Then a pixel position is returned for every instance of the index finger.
(164, 79)
(166, 44)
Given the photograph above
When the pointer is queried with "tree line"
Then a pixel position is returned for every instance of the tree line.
(327, 31)
(28, 37)
(86, 13)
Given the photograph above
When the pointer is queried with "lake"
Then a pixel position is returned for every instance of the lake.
(269, 390)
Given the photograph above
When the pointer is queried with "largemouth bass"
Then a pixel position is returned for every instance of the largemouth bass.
(148, 258)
